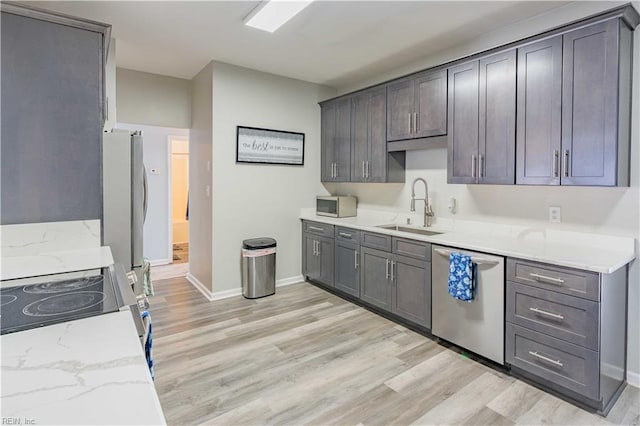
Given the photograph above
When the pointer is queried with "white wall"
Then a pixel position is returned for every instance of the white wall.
(606, 210)
(261, 200)
(153, 99)
(200, 157)
(156, 236)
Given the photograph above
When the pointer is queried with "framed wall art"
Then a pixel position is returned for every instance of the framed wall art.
(266, 146)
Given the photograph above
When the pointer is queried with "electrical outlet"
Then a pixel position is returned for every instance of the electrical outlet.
(555, 214)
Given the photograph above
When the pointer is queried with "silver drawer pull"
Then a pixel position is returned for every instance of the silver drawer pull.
(549, 314)
(315, 228)
(546, 279)
(344, 234)
(544, 358)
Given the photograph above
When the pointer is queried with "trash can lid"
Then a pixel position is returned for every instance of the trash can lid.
(258, 243)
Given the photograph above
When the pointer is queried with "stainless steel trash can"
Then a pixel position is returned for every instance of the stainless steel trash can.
(258, 267)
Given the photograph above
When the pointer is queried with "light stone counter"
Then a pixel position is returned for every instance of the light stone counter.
(587, 251)
(56, 262)
(86, 372)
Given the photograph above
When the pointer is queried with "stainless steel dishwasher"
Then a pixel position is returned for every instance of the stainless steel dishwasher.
(477, 325)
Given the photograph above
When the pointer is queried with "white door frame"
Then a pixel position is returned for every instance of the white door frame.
(170, 139)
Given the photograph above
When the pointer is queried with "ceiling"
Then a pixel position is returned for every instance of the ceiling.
(336, 43)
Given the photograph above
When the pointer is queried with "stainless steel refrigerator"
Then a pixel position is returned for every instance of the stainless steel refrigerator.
(124, 192)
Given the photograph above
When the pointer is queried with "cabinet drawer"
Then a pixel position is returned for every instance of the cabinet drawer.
(565, 364)
(376, 241)
(412, 248)
(347, 234)
(569, 318)
(318, 228)
(570, 281)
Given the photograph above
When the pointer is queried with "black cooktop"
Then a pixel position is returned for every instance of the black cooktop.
(53, 301)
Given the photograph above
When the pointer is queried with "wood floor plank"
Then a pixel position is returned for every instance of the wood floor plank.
(305, 356)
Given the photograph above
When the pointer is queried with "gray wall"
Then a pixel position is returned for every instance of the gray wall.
(152, 99)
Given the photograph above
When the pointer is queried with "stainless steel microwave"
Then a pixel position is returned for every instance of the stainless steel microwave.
(336, 205)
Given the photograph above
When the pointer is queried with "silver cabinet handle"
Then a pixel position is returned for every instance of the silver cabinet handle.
(565, 163)
(544, 358)
(549, 314)
(393, 264)
(355, 259)
(364, 173)
(415, 122)
(556, 159)
(410, 123)
(481, 166)
(544, 278)
(366, 169)
(386, 269)
(315, 253)
(318, 245)
(473, 166)
(344, 234)
(315, 228)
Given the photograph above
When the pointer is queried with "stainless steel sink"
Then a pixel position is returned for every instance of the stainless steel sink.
(408, 229)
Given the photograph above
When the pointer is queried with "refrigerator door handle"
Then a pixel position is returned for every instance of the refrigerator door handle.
(145, 196)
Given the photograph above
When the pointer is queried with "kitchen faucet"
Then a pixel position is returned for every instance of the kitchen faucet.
(428, 212)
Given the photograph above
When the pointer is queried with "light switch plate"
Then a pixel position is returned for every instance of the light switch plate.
(555, 214)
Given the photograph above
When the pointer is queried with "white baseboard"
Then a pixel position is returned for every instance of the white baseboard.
(199, 286)
(288, 281)
(218, 295)
(159, 262)
(633, 379)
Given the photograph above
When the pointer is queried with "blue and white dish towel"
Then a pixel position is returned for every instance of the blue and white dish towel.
(148, 343)
(461, 277)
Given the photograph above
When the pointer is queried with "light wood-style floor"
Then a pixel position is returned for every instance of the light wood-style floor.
(304, 356)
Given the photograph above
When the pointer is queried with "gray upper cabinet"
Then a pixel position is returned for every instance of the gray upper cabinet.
(336, 140)
(574, 107)
(539, 112)
(462, 155)
(590, 78)
(52, 100)
(417, 106)
(497, 119)
(368, 136)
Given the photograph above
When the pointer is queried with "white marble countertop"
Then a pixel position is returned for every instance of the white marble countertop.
(54, 262)
(86, 372)
(587, 251)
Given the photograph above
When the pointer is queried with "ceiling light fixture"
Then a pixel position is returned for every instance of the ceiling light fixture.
(270, 15)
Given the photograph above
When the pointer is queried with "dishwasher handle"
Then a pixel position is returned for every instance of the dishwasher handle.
(474, 259)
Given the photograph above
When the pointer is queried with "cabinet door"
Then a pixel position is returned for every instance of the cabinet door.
(431, 104)
(347, 268)
(51, 121)
(412, 290)
(327, 136)
(342, 147)
(538, 112)
(310, 266)
(590, 105)
(360, 106)
(462, 155)
(325, 260)
(377, 162)
(375, 286)
(497, 120)
(400, 105)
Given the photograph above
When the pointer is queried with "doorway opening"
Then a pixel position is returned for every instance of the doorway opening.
(179, 198)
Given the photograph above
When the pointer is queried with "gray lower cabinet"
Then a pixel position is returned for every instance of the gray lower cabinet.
(399, 284)
(318, 258)
(335, 140)
(347, 267)
(566, 329)
(52, 117)
(417, 106)
(482, 125)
